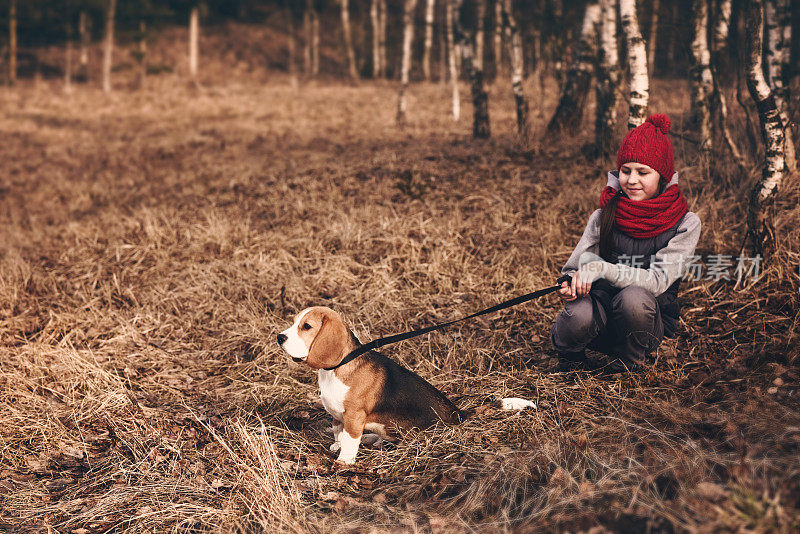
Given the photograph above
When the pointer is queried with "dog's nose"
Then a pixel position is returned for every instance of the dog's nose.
(282, 339)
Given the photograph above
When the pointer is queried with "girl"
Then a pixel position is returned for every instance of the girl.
(626, 268)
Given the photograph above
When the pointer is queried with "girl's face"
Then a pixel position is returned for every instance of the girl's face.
(638, 181)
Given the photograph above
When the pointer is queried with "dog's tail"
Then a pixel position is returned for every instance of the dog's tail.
(485, 402)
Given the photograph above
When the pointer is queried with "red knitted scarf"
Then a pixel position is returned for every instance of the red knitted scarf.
(647, 218)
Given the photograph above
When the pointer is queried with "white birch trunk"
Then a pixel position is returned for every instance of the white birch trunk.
(426, 56)
(194, 37)
(376, 47)
(569, 113)
(760, 228)
(608, 78)
(348, 40)
(108, 52)
(142, 52)
(498, 36)
(408, 37)
(776, 53)
(83, 56)
(314, 43)
(382, 38)
(451, 59)
(722, 27)
(701, 77)
(479, 32)
(68, 63)
(637, 64)
(291, 44)
(651, 48)
(12, 42)
(306, 41)
(480, 99)
(514, 40)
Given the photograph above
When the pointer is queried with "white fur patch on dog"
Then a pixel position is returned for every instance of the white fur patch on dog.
(515, 403)
(294, 346)
(332, 392)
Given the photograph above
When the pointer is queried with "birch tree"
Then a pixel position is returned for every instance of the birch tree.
(311, 49)
(759, 224)
(12, 42)
(701, 78)
(348, 40)
(569, 112)
(498, 36)
(514, 41)
(653, 38)
(382, 37)
(108, 48)
(608, 77)
(194, 37)
(83, 55)
(719, 45)
(777, 22)
(637, 64)
(480, 99)
(376, 47)
(480, 8)
(451, 58)
(408, 37)
(426, 56)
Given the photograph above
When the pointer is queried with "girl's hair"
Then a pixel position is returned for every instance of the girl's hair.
(608, 214)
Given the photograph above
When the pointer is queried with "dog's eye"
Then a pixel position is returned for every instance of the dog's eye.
(306, 326)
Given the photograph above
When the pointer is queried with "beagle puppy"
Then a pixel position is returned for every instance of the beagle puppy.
(371, 392)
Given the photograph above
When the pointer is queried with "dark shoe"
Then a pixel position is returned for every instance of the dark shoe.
(571, 361)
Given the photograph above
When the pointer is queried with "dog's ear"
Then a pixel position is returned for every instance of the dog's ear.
(329, 345)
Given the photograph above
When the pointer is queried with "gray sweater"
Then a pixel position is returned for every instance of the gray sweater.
(666, 266)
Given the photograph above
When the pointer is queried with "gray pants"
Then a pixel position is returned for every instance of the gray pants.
(622, 323)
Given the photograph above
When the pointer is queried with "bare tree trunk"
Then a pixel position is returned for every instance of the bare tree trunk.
(408, 37)
(426, 56)
(721, 31)
(348, 40)
(701, 77)
(68, 58)
(443, 47)
(12, 42)
(314, 42)
(569, 113)
(672, 43)
(651, 52)
(759, 221)
(637, 64)
(291, 44)
(376, 47)
(480, 99)
(451, 58)
(142, 52)
(514, 41)
(382, 38)
(108, 52)
(777, 15)
(194, 37)
(83, 56)
(479, 32)
(719, 103)
(498, 37)
(307, 39)
(608, 77)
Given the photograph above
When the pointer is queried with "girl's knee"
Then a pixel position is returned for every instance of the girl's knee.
(635, 305)
(575, 325)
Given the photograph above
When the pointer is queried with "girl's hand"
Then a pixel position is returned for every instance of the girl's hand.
(565, 293)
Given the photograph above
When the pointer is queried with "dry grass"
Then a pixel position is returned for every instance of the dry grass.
(153, 242)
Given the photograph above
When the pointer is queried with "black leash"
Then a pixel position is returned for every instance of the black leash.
(388, 340)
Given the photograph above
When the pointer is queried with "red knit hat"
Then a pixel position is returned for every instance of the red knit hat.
(648, 144)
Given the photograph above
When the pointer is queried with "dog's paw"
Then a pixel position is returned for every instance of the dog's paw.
(335, 446)
(515, 403)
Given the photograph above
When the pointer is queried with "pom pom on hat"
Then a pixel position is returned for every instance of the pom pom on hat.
(648, 144)
(660, 121)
